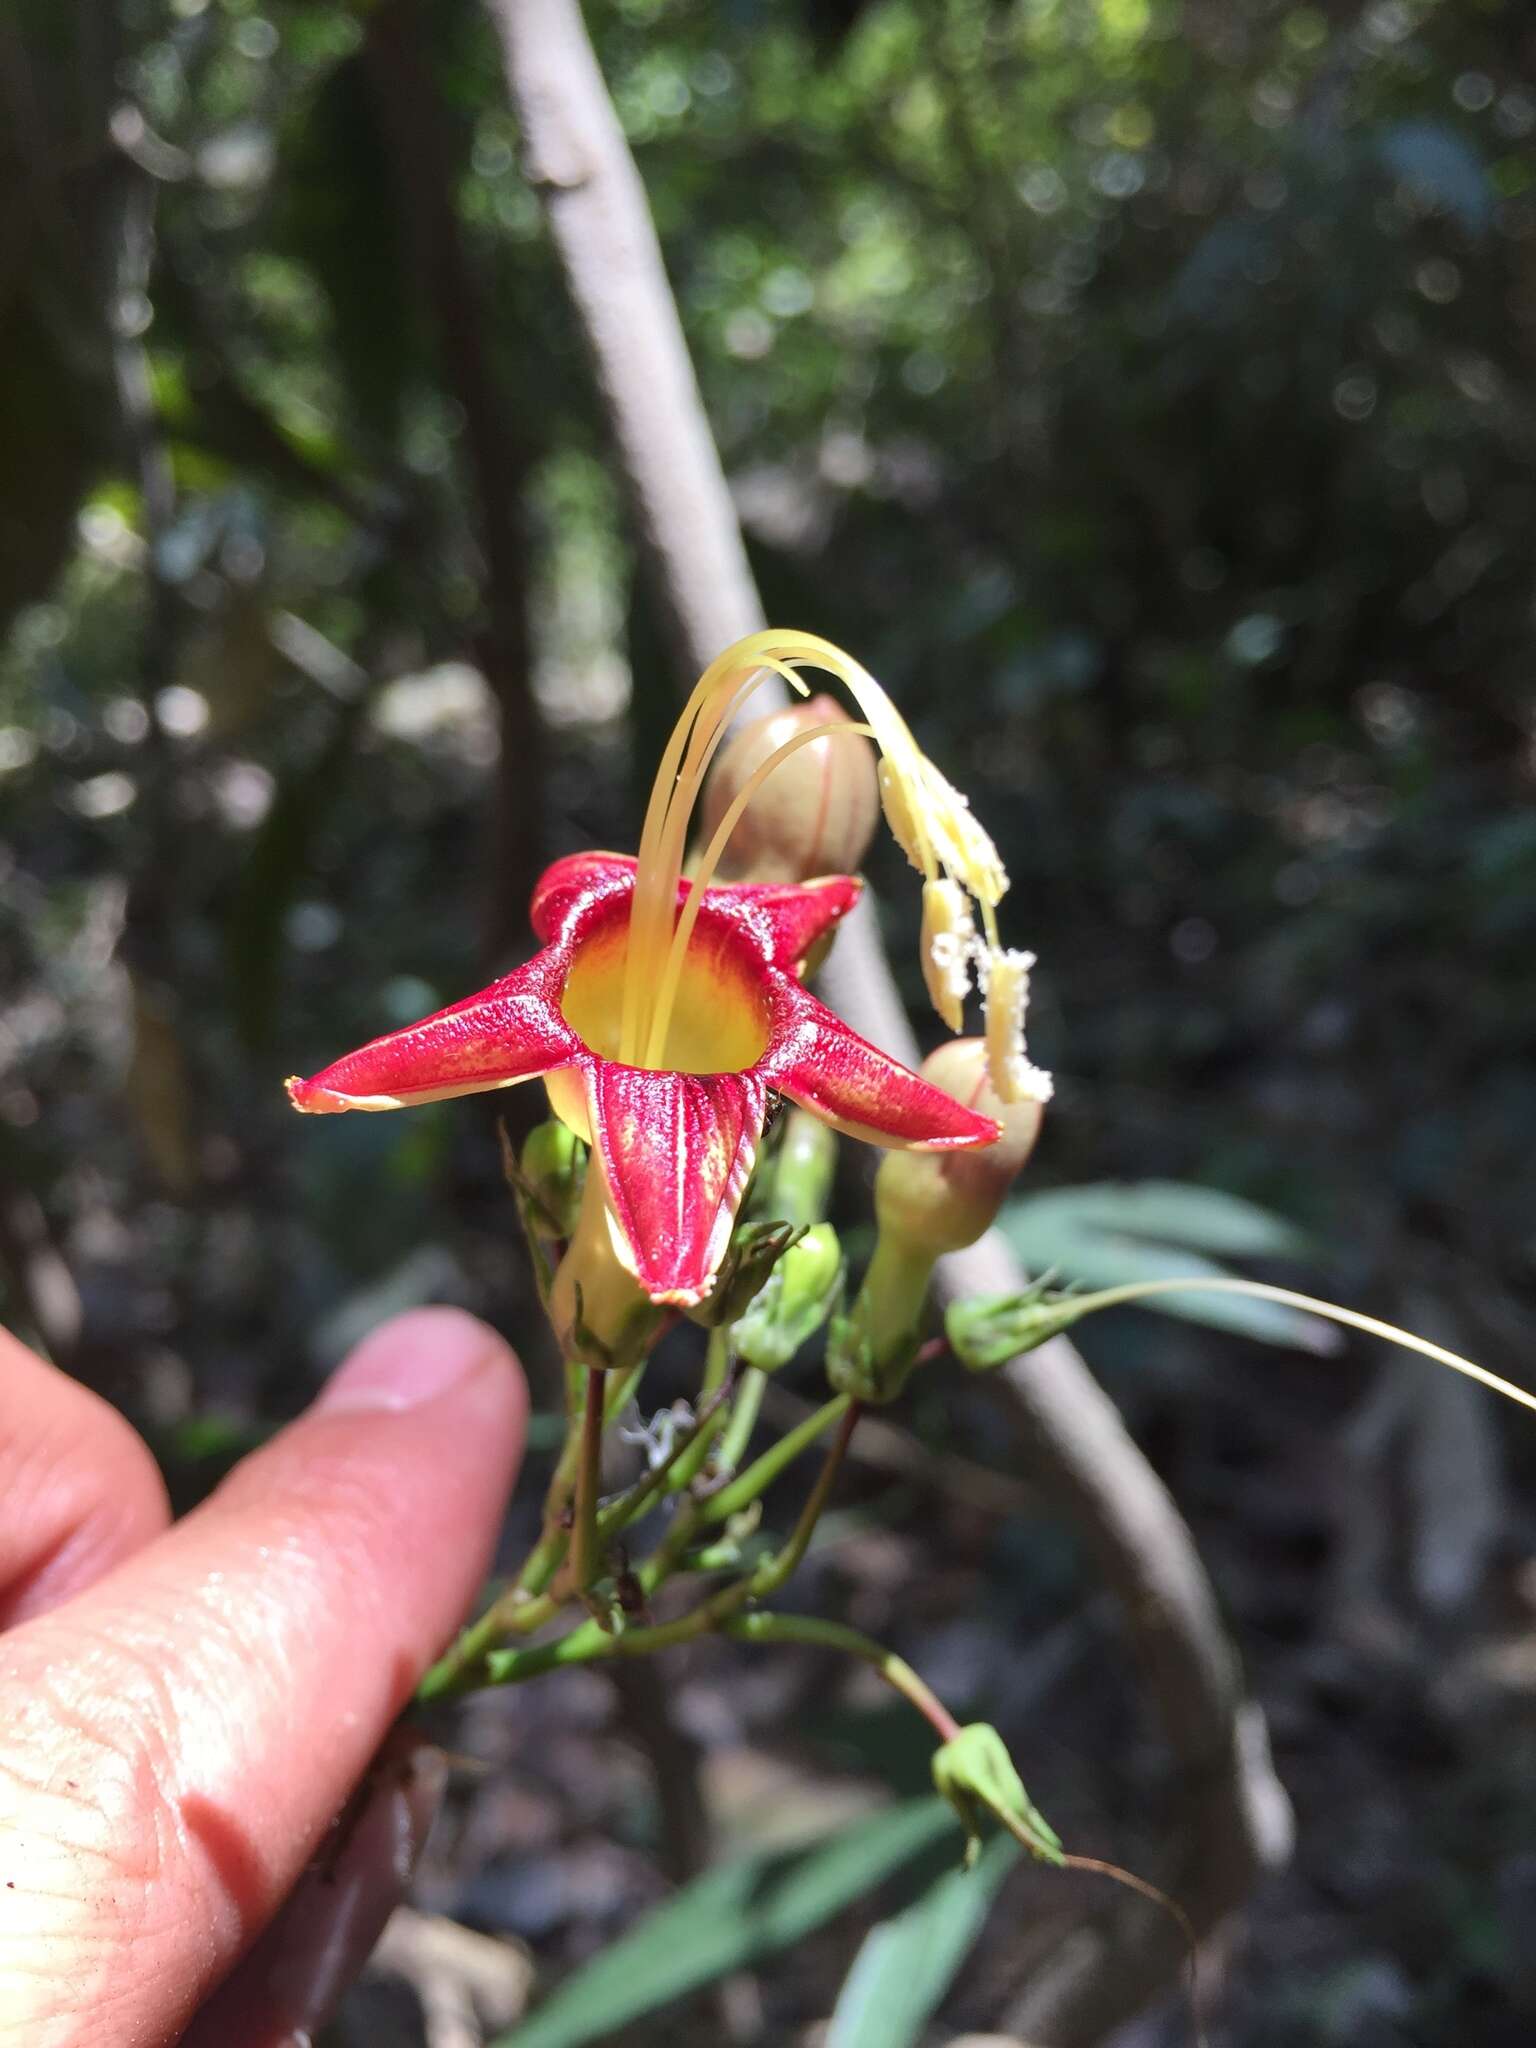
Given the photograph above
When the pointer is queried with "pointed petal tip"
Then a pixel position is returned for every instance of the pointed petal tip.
(310, 1099)
(982, 1130)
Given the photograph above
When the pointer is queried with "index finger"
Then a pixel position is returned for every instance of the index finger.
(179, 1736)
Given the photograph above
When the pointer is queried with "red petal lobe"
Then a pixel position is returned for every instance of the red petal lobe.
(579, 878)
(792, 917)
(676, 1152)
(510, 1032)
(863, 1091)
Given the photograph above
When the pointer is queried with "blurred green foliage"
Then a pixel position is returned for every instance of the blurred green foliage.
(1143, 389)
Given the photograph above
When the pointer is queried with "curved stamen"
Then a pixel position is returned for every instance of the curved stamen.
(666, 994)
(716, 698)
(929, 817)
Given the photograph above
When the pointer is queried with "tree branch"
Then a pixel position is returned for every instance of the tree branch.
(400, 68)
(1236, 1817)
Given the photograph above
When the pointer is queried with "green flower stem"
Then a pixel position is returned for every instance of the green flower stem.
(725, 1556)
(527, 1603)
(762, 1472)
(479, 1656)
(586, 1552)
(894, 1295)
(743, 1419)
(548, 1554)
(622, 1387)
(717, 1374)
(831, 1635)
(803, 1169)
(589, 1642)
(649, 1487)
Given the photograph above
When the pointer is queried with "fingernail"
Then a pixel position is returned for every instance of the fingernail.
(291, 1983)
(339, 1912)
(409, 1361)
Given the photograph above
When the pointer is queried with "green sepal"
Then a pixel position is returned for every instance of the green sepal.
(794, 1301)
(589, 1349)
(856, 1366)
(988, 1330)
(755, 1250)
(554, 1169)
(975, 1773)
(546, 1184)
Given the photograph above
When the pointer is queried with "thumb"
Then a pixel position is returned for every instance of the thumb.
(180, 1736)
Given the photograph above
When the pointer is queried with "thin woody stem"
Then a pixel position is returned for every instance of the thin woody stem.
(539, 1567)
(590, 1642)
(586, 1561)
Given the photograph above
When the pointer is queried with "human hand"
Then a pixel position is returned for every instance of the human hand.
(185, 1710)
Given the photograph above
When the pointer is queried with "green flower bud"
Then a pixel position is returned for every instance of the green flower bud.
(553, 1168)
(870, 1353)
(793, 1303)
(975, 1773)
(990, 1329)
(803, 1166)
(942, 1201)
(754, 1254)
(815, 814)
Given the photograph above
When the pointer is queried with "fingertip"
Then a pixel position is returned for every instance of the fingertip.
(419, 1357)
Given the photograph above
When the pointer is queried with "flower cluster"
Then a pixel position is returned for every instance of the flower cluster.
(665, 1011)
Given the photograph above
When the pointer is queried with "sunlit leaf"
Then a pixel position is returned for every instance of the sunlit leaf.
(1109, 1234)
(906, 1965)
(728, 1919)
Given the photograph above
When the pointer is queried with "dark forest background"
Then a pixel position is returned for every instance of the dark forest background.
(1143, 389)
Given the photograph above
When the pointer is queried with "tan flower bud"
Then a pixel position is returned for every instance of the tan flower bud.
(942, 1201)
(815, 814)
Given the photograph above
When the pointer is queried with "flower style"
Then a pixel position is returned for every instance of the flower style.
(676, 1140)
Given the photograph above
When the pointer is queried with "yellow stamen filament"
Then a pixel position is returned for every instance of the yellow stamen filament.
(666, 994)
(719, 694)
(929, 817)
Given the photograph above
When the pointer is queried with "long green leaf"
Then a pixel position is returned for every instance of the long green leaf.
(1107, 1234)
(1176, 1212)
(906, 1965)
(728, 1919)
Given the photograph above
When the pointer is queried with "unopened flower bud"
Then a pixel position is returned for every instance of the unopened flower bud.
(798, 1296)
(554, 1169)
(949, 932)
(942, 1201)
(815, 814)
(975, 1773)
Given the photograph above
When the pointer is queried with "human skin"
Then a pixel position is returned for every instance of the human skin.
(185, 1710)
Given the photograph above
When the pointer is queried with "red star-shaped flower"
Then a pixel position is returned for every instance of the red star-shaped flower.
(676, 1142)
